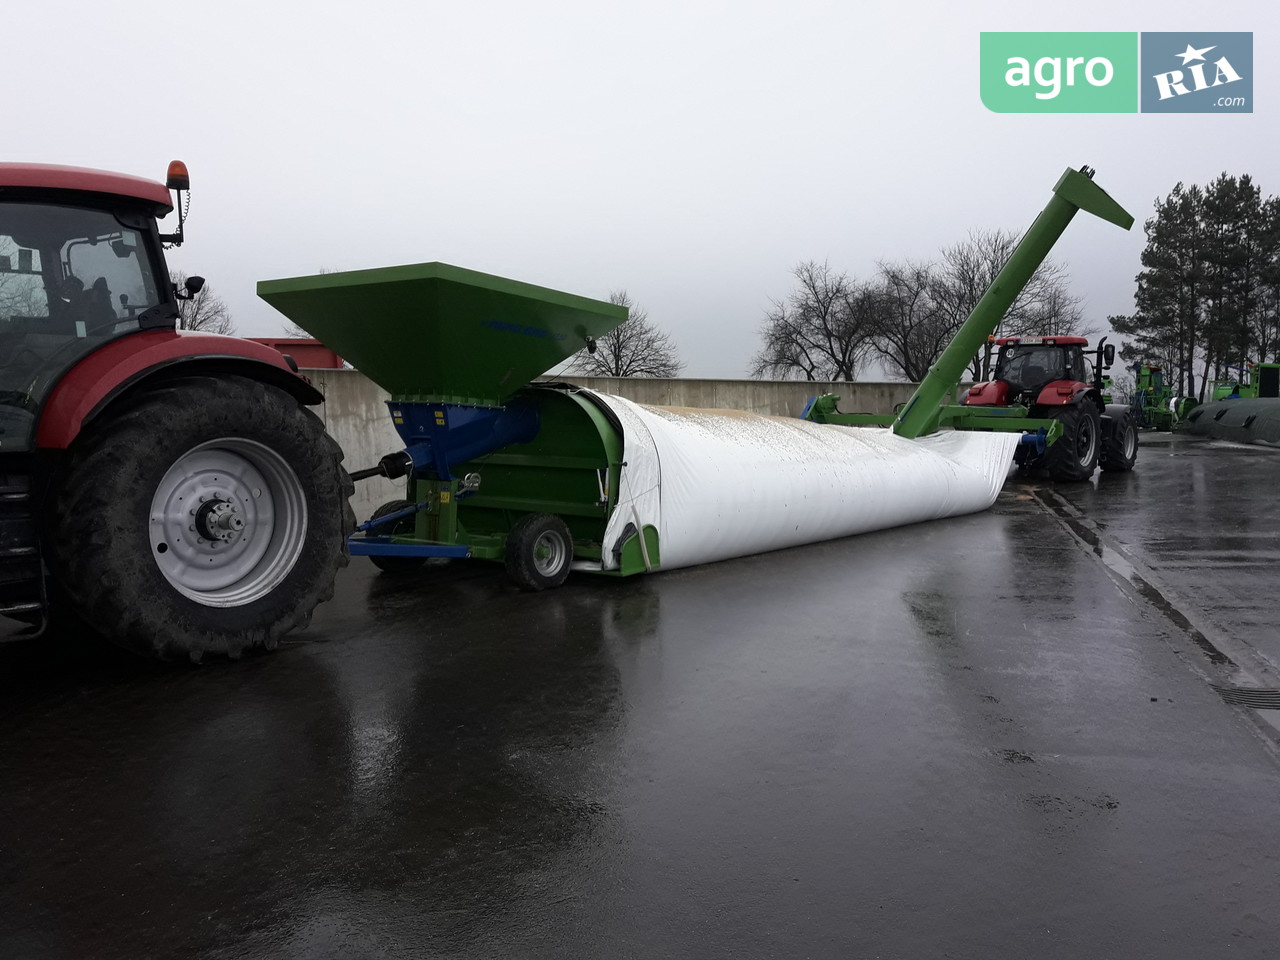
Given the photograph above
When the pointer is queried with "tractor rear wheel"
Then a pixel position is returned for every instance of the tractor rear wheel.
(1075, 455)
(205, 516)
(400, 528)
(539, 551)
(1120, 449)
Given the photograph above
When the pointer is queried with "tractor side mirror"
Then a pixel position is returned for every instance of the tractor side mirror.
(1109, 354)
(190, 288)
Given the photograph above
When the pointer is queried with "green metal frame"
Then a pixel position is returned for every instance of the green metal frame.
(571, 469)
(956, 416)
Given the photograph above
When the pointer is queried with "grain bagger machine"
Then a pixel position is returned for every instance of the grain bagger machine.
(550, 477)
(494, 468)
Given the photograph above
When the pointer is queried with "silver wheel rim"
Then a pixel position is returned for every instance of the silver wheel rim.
(1130, 442)
(228, 522)
(1090, 445)
(549, 553)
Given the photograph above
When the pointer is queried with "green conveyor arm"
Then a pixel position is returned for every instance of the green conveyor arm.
(1074, 191)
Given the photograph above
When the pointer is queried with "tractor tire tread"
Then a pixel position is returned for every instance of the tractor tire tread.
(1116, 455)
(1062, 460)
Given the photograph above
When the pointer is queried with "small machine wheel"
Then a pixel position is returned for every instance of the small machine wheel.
(539, 551)
(1075, 455)
(1120, 449)
(400, 528)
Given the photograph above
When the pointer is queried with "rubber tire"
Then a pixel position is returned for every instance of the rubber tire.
(399, 528)
(102, 553)
(1081, 426)
(1120, 448)
(530, 536)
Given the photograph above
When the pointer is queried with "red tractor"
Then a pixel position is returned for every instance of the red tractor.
(169, 488)
(1053, 378)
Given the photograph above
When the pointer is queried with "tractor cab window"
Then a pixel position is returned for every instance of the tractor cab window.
(70, 279)
(1025, 366)
(1084, 371)
(1077, 367)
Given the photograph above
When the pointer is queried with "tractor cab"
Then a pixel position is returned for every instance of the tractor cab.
(113, 420)
(1029, 364)
(80, 264)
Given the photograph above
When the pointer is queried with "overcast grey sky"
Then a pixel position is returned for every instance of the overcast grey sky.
(691, 153)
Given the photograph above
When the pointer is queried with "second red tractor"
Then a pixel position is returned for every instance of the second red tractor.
(1058, 378)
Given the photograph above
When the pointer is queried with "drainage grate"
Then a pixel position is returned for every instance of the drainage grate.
(1260, 698)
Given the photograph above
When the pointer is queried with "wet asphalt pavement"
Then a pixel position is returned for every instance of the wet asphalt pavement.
(1005, 735)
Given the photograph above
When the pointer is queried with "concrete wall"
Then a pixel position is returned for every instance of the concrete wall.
(355, 412)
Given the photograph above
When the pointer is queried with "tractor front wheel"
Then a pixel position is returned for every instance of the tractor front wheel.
(1075, 455)
(1120, 449)
(539, 551)
(205, 515)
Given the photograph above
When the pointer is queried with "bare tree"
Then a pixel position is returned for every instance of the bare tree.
(206, 311)
(634, 348)
(821, 332)
(1045, 307)
(924, 305)
(830, 325)
(910, 330)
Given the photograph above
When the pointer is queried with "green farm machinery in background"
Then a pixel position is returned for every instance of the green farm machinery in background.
(1155, 403)
(1152, 396)
(1244, 410)
(1256, 380)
